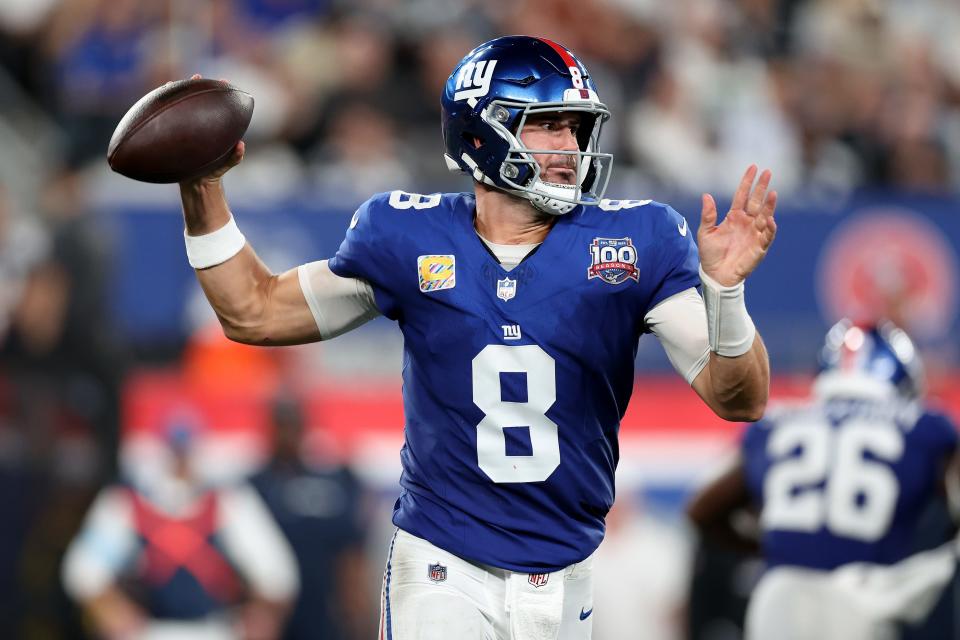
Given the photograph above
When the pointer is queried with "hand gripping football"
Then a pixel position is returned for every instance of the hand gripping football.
(180, 131)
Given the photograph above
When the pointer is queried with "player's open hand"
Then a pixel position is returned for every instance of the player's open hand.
(731, 250)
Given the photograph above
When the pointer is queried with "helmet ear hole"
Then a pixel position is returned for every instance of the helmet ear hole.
(471, 140)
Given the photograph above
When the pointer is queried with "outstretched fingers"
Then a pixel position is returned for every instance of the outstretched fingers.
(743, 191)
(708, 213)
(757, 197)
(765, 223)
(769, 205)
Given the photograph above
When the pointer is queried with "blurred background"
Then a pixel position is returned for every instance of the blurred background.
(104, 333)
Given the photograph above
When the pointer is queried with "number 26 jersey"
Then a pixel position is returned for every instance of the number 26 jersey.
(514, 382)
(844, 479)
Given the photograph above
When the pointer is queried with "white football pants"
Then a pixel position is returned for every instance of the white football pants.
(858, 601)
(431, 594)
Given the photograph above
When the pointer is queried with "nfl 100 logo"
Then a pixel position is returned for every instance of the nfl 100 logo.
(437, 572)
(614, 260)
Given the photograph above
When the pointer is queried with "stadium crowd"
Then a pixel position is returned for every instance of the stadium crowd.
(837, 95)
(842, 93)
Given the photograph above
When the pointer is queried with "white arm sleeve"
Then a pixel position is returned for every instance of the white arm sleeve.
(680, 323)
(102, 549)
(338, 304)
(254, 542)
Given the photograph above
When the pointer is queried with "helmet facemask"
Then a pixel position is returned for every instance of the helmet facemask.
(521, 172)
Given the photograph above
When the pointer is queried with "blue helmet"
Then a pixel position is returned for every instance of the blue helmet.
(486, 101)
(873, 360)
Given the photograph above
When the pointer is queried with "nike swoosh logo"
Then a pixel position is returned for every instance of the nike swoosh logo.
(682, 228)
(585, 614)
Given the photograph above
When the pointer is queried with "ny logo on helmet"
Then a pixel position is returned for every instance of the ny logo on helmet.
(474, 78)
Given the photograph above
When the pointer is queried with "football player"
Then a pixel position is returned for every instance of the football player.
(521, 304)
(841, 482)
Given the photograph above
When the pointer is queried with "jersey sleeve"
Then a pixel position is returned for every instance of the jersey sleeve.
(337, 304)
(366, 253)
(678, 261)
(680, 323)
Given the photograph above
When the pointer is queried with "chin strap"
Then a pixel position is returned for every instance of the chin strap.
(544, 197)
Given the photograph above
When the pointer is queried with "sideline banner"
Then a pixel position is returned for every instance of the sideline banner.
(878, 253)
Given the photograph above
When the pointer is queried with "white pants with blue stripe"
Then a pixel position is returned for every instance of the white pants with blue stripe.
(431, 594)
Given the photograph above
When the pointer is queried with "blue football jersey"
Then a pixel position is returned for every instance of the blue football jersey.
(514, 383)
(845, 480)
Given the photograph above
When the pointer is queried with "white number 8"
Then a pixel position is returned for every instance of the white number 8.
(500, 414)
(576, 77)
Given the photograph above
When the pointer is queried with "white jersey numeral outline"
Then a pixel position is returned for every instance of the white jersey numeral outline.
(616, 205)
(403, 200)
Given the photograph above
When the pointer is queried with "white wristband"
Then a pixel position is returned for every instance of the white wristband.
(729, 327)
(214, 248)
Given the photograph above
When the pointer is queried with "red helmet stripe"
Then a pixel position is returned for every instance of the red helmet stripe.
(567, 58)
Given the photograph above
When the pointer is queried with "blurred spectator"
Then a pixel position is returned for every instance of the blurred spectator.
(24, 252)
(57, 333)
(164, 556)
(320, 509)
(20, 24)
(362, 155)
(102, 56)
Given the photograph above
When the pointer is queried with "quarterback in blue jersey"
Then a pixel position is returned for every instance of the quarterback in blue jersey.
(521, 304)
(841, 483)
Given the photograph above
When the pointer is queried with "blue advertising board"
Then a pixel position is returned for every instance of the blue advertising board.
(876, 254)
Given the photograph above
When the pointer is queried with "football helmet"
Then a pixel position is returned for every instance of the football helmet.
(869, 360)
(487, 100)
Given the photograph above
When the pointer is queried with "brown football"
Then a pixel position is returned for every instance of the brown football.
(180, 131)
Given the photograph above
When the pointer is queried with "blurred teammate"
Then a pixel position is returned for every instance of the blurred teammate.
(320, 510)
(168, 557)
(521, 304)
(841, 483)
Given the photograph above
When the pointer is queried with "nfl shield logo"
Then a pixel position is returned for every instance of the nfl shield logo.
(538, 579)
(506, 289)
(437, 572)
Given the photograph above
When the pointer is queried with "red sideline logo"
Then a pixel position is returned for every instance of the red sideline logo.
(893, 263)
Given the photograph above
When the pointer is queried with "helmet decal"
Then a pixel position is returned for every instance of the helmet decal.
(473, 81)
